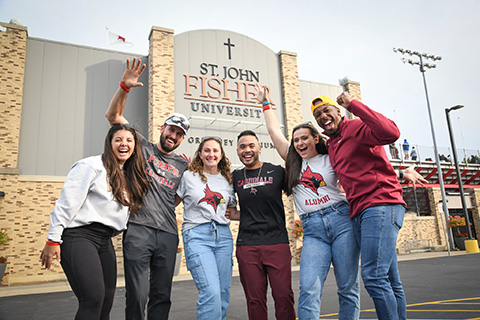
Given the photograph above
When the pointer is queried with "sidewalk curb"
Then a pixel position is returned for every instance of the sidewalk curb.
(62, 286)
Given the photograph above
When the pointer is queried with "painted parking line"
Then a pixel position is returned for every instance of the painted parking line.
(466, 308)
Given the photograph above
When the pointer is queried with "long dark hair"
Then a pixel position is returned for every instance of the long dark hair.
(132, 178)
(223, 166)
(293, 164)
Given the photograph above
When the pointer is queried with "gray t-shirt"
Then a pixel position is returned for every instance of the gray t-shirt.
(165, 171)
(205, 202)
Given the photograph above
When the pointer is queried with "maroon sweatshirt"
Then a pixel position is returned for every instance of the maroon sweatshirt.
(358, 157)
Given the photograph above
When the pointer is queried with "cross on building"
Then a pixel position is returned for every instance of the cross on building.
(229, 48)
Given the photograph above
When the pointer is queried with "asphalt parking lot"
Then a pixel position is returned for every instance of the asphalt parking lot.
(436, 286)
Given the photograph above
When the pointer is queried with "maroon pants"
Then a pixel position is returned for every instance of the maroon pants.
(260, 264)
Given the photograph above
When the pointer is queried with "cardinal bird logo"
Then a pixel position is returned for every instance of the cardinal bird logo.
(212, 198)
(311, 180)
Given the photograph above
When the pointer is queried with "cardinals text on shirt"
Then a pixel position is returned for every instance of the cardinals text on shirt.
(162, 168)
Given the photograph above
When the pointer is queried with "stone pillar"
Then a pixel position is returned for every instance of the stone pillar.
(352, 87)
(293, 116)
(161, 94)
(435, 196)
(475, 194)
(13, 46)
(291, 90)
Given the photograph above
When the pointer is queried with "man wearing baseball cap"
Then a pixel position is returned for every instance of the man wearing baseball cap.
(151, 240)
(357, 155)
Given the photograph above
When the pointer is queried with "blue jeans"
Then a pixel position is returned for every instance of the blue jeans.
(208, 253)
(376, 229)
(329, 239)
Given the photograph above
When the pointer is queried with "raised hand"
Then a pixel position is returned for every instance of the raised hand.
(413, 176)
(186, 158)
(344, 99)
(132, 73)
(261, 94)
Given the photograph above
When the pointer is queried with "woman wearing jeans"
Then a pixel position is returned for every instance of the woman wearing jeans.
(328, 231)
(93, 207)
(206, 190)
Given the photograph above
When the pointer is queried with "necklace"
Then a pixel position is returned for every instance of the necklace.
(252, 186)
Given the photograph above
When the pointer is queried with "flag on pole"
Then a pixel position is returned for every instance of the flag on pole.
(116, 39)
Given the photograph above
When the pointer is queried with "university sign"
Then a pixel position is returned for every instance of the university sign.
(215, 76)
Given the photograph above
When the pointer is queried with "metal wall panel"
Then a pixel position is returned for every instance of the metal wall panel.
(67, 90)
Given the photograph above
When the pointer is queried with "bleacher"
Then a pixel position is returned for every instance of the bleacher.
(470, 173)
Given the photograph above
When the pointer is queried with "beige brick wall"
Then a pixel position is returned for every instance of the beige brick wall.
(13, 46)
(161, 94)
(418, 228)
(34, 198)
(8, 184)
(435, 196)
(293, 116)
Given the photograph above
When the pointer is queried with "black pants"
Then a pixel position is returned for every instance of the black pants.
(149, 260)
(88, 260)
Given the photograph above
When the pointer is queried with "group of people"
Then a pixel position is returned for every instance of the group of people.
(406, 151)
(135, 185)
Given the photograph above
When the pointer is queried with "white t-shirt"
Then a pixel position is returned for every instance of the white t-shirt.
(205, 202)
(317, 187)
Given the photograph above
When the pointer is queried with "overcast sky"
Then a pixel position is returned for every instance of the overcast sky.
(332, 39)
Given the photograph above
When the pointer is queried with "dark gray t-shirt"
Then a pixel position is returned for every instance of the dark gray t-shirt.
(165, 171)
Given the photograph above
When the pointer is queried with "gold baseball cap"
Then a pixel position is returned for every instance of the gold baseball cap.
(324, 100)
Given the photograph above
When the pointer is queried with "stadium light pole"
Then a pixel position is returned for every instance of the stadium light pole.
(423, 67)
(457, 169)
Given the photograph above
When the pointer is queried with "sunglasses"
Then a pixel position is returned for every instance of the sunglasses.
(303, 124)
(218, 139)
(179, 121)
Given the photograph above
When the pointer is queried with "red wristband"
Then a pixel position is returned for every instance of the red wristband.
(49, 243)
(267, 107)
(124, 87)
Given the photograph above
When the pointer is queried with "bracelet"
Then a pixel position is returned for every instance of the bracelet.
(400, 173)
(49, 243)
(124, 87)
(267, 107)
(265, 103)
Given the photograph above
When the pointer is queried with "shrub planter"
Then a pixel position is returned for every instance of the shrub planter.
(3, 266)
(460, 242)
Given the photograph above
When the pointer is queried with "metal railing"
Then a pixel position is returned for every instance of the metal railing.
(418, 245)
(426, 153)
